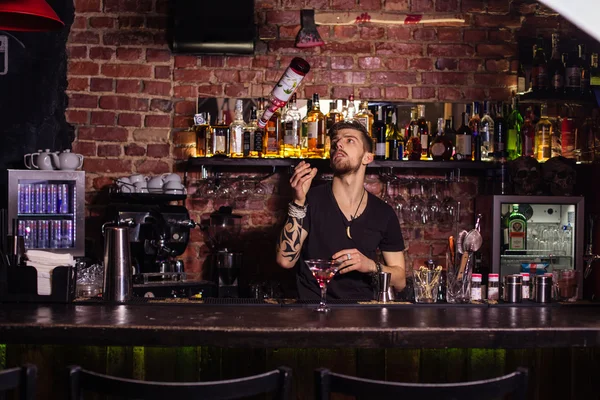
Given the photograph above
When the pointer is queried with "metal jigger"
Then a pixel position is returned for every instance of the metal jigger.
(385, 292)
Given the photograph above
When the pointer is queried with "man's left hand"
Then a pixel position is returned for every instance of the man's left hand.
(354, 260)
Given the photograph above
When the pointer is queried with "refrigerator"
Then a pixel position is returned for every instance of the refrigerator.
(551, 238)
(47, 208)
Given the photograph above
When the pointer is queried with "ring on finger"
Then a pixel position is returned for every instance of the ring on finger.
(349, 256)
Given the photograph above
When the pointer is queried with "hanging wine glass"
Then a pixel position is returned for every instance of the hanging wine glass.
(400, 204)
(449, 207)
(434, 205)
(417, 207)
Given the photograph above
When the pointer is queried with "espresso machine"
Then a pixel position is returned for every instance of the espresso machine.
(225, 260)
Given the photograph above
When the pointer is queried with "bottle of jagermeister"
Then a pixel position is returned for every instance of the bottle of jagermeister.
(517, 229)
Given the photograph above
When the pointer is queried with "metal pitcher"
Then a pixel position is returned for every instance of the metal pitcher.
(118, 286)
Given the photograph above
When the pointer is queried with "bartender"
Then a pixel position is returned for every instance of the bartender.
(342, 221)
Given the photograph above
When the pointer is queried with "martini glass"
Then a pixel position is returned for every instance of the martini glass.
(323, 271)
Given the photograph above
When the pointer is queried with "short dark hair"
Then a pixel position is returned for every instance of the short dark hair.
(356, 125)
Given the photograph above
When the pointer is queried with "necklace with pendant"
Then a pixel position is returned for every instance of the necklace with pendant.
(353, 217)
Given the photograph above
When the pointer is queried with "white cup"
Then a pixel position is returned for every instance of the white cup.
(141, 187)
(137, 178)
(171, 178)
(172, 185)
(155, 184)
(124, 185)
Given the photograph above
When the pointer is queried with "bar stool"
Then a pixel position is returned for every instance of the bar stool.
(278, 381)
(22, 378)
(327, 382)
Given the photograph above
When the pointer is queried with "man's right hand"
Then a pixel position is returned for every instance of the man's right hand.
(301, 181)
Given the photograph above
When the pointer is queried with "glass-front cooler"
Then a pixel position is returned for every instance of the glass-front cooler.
(535, 234)
(47, 209)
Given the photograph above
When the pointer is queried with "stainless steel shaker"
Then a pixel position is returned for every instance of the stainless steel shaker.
(543, 291)
(118, 286)
(385, 290)
(513, 292)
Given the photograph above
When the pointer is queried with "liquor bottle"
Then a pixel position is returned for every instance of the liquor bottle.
(414, 148)
(539, 73)
(585, 71)
(586, 139)
(413, 121)
(567, 135)
(463, 139)
(282, 91)
(441, 146)
(517, 230)
(236, 131)
(528, 135)
(344, 109)
(350, 109)
(572, 73)
(272, 139)
(543, 135)
(394, 138)
(365, 116)
(594, 70)
(521, 79)
(515, 122)
(292, 122)
(486, 132)
(316, 130)
(450, 133)
(379, 130)
(249, 132)
(220, 136)
(256, 133)
(334, 115)
(304, 134)
(475, 125)
(423, 132)
(500, 130)
(203, 137)
(556, 68)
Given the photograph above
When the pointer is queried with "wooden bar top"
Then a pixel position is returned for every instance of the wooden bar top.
(407, 326)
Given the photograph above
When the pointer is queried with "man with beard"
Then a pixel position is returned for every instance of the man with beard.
(341, 221)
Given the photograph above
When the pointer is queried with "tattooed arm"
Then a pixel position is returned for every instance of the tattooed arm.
(292, 235)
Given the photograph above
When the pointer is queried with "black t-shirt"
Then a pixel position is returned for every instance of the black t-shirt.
(376, 228)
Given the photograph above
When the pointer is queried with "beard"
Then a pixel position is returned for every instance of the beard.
(344, 165)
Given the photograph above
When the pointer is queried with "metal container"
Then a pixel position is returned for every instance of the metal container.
(513, 288)
(385, 290)
(118, 285)
(543, 291)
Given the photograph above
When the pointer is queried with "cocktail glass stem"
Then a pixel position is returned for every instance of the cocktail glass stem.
(323, 304)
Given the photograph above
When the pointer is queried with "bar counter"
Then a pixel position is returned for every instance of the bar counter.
(280, 325)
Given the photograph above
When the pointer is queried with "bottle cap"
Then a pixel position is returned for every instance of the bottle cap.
(476, 277)
(494, 277)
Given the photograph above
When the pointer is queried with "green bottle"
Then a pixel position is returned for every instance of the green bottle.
(515, 122)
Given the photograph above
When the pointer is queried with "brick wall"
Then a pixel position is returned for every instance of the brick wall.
(131, 100)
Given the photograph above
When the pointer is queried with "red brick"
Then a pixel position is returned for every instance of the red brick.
(137, 6)
(397, 5)
(396, 93)
(450, 35)
(470, 65)
(474, 94)
(160, 22)
(369, 92)
(226, 76)
(109, 150)
(157, 88)
(314, 4)
(123, 103)
(343, 4)
(398, 33)
(501, 21)
(497, 65)
(501, 35)
(83, 6)
(342, 92)
(210, 90)
(162, 72)
(345, 31)
(396, 63)
(102, 85)
(162, 6)
(369, 62)
(78, 84)
(496, 50)
(182, 122)
(444, 78)
(84, 37)
(101, 53)
(267, 32)
(79, 23)
(261, 61)
(185, 61)
(107, 165)
(130, 120)
(423, 93)
(127, 38)
(475, 35)
(129, 54)
(421, 6)
(345, 62)
(239, 62)
(84, 148)
(185, 91)
(155, 55)
(99, 133)
(498, 6)
(472, 5)
(134, 150)
(127, 70)
(191, 75)
(102, 22)
(157, 121)
(213, 61)
(185, 107)
(423, 64)
(370, 4)
(251, 76)
(424, 34)
(449, 64)
(449, 50)
(450, 6)
(398, 78)
(102, 118)
(76, 117)
(128, 86)
(83, 68)
(152, 167)
(399, 49)
(288, 31)
(83, 101)
(527, 8)
(282, 17)
(449, 94)
(77, 51)
(131, 22)
(349, 47)
(372, 32)
(236, 90)
(495, 79)
(502, 93)
(161, 105)
(158, 150)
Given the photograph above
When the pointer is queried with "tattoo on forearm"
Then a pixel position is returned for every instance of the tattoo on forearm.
(288, 244)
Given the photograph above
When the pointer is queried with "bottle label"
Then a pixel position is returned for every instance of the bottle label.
(364, 121)
(540, 77)
(272, 145)
(463, 146)
(516, 234)
(528, 146)
(380, 149)
(437, 149)
(237, 140)
(313, 129)
(558, 82)
(258, 141)
(475, 293)
(285, 87)
(521, 84)
(525, 290)
(567, 138)
(493, 293)
(424, 142)
(573, 77)
(247, 142)
(396, 149)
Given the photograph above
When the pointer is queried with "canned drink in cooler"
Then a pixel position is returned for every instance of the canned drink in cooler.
(55, 234)
(52, 201)
(63, 198)
(33, 233)
(24, 198)
(43, 234)
(41, 198)
(67, 234)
